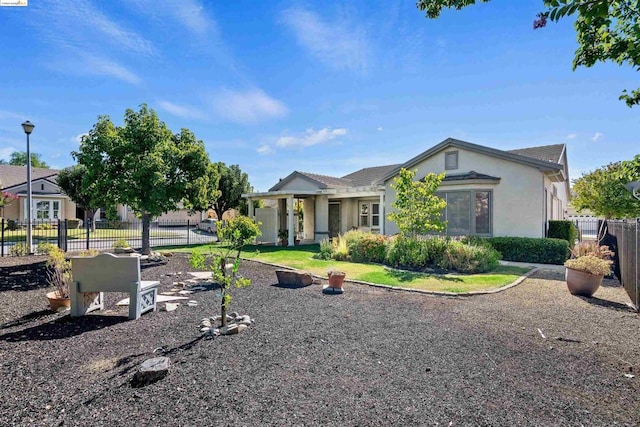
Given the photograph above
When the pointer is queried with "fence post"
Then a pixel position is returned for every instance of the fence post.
(188, 233)
(2, 239)
(88, 230)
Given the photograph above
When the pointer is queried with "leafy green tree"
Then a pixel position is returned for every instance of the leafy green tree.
(607, 30)
(74, 183)
(19, 158)
(417, 209)
(225, 265)
(144, 166)
(631, 169)
(233, 182)
(603, 192)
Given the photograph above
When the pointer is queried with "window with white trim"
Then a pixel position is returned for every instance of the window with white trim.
(451, 160)
(47, 209)
(369, 214)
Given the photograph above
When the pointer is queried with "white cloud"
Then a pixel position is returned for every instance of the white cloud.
(340, 44)
(5, 152)
(105, 67)
(311, 137)
(189, 13)
(380, 129)
(597, 136)
(9, 115)
(78, 138)
(181, 110)
(250, 106)
(265, 150)
(81, 25)
(571, 136)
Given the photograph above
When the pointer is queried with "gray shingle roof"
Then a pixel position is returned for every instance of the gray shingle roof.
(469, 175)
(369, 176)
(548, 153)
(329, 181)
(11, 176)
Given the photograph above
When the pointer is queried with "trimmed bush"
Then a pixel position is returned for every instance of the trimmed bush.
(326, 250)
(466, 258)
(19, 249)
(565, 230)
(366, 247)
(529, 249)
(73, 223)
(416, 253)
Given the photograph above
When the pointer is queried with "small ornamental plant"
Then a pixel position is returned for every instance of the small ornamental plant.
(59, 272)
(590, 264)
(6, 199)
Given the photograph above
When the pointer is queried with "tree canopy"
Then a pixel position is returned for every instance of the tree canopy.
(607, 30)
(19, 158)
(603, 192)
(417, 209)
(143, 165)
(74, 183)
(233, 182)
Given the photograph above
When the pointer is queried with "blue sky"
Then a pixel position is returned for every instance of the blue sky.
(324, 87)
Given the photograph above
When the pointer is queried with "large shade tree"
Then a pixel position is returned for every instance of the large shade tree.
(19, 158)
(143, 165)
(76, 183)
(233, 182)
(606, 30)
(603, 192)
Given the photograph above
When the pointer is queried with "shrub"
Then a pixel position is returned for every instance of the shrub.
(467, 258)
(19, 249)
(13, 225)
(529, 249)
(592, 248)
(340, 248)
(366, 247)
(326, 250)
(43, 226)
(416, 252)
(565, 230)
(590, 264)
(59, 273)
(120, 244)
(45, 248)
(73, 223)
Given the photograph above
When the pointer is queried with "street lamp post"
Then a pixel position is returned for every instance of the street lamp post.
(28, 128)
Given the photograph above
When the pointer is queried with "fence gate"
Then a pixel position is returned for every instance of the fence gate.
(622, 238)
(62, 234)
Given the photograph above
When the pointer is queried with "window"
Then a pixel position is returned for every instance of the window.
(47, 209)
(451, 160)
(369, 214)
(467, 212)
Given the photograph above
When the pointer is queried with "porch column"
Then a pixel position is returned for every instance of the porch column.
(381, 213)
(321, 228)
(290, 221)
(250, 210)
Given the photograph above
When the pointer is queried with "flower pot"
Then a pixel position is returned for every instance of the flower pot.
(284, 242)
(582, 283)
(336, 280)
(55, 302)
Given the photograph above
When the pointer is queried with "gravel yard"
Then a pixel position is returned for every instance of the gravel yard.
(368, 357)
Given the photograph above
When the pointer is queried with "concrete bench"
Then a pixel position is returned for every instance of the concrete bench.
(92, 276)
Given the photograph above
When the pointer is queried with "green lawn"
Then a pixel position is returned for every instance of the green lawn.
(300, 257)
(81, 233)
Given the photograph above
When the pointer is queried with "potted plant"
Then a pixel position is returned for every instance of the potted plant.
(59, 277)
(584, 274)
(336, 278)
(283, 236)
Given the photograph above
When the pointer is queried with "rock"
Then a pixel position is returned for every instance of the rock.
(184, 292)
(234, 315)
(230, 329)
(170, 306)
(192, 303)
(62, 309)
(151, 370)
(293, 278)
(205, 329)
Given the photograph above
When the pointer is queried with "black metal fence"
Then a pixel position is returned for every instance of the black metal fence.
(622, 237)
(587, 228)
(69, 235)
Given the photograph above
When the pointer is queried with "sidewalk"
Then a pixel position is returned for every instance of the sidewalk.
(552, 267)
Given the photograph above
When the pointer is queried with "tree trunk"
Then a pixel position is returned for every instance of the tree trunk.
(146, 220)
(219, 211)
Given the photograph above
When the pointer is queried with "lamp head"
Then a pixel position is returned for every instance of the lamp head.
(634, 187)
(28, 127)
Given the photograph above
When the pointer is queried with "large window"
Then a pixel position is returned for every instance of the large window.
(47, 209)
(467, 212)
(369, 215)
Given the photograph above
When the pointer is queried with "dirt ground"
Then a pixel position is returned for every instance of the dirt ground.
(532, 355)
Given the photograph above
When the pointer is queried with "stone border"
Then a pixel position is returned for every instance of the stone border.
(420, 291)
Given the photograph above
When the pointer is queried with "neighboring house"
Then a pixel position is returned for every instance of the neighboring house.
(489, 192)
(50, 203)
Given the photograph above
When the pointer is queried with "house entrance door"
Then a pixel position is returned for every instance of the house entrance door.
(334, 219)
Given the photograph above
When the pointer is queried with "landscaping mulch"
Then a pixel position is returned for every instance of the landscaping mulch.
(368, 357)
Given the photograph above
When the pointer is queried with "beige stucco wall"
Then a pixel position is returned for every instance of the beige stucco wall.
(309, 217)
(299, 184)
(517, 199)
(322, 218)
(17, 209)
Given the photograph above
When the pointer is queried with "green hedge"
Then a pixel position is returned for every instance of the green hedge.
(528, 249)
(565, 230)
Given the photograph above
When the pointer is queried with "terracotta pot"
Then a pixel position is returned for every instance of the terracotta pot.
(582, 283)
(55, 302)
(336, 280)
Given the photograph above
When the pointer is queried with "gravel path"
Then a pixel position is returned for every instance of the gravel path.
(368, 357)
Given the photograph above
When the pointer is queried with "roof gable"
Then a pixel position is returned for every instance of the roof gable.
(11, 176)
(544, 166)
(369, 176)
(549, 153)
(320, 181)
